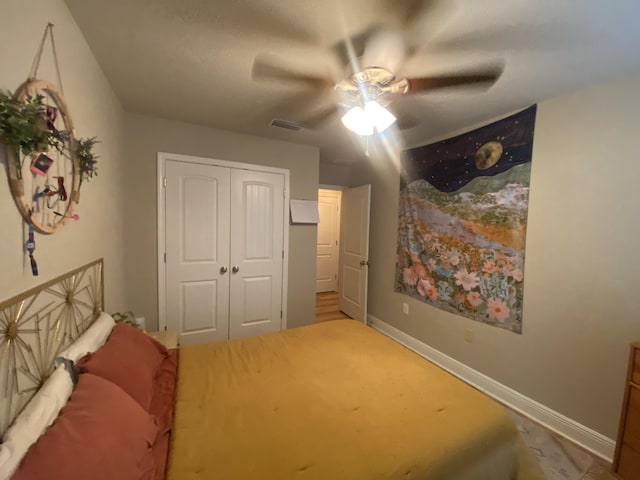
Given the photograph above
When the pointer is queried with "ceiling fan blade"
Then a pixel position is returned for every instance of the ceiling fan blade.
(317, 118)
(407, 122)
(350, 50)
(308, 109)
(409, 10)
(479, 79)
(267, 68)
(384, 49)
(428, 16)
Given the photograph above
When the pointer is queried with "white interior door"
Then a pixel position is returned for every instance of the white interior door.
(328, 236)
(354, 252)
(257, 252)
(197, 251)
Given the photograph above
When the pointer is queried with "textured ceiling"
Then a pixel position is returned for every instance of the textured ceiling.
(192, 60)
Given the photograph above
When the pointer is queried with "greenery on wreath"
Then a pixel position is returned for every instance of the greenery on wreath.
(125, 317)
(87, 160)
(23, 126)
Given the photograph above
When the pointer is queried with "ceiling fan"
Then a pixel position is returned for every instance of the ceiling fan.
(370, 86)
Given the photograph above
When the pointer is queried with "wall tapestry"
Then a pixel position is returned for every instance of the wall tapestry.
(463, 220)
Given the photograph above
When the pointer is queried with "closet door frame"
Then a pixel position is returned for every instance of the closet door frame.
(162, 157)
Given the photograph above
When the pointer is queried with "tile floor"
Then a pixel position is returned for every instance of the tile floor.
(559, 458)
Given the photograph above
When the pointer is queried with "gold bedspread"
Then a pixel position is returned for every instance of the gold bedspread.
(335, 400)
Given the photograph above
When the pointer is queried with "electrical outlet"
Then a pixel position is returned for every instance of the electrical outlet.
(405, 308)
(468, 335)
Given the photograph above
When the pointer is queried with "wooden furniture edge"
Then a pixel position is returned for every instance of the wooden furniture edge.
(625, 402)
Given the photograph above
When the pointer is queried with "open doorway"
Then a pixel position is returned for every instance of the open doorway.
(327, 255)
(328, 240)
(342, 253)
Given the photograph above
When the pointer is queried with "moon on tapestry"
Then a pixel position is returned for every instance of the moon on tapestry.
(462, 221)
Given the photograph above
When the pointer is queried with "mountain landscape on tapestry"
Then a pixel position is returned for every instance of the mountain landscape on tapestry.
(463, 220)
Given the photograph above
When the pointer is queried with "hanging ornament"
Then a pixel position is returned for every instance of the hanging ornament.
(30, 247)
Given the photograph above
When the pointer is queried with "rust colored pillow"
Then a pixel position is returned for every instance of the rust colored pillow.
(100, 434)
(130, 359)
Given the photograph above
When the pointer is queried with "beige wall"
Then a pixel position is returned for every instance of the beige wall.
(333, 174)
(145, 137)
(95, 111)
(581, 306)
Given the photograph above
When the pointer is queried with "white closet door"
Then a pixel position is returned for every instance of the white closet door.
(197, 249)
(257, 240)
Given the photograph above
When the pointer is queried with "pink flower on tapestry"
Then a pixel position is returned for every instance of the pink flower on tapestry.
(431, 264)
(420, 270)
(489, 267)
(474, 298)
(466, 280)
(410, 276)
(432, 293)
(517, 275)
(423, 287)
(454, 260)
(497, 309)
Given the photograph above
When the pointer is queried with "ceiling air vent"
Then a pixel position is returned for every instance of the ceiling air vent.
(285, 124)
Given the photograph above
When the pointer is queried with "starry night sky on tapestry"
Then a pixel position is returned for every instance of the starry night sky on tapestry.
(450, 164)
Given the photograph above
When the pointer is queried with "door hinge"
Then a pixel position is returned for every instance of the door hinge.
(280, 314)
(164, 182)
(283, 254)
(336, 243)
(165, 257)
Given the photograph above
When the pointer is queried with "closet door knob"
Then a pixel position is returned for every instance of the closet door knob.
(223, 270)
(235, 269)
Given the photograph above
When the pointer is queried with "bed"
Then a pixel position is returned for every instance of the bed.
(335, 400)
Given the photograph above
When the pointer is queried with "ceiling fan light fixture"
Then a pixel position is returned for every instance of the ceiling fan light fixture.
(356, 120)
(363, 121)
(378, 116)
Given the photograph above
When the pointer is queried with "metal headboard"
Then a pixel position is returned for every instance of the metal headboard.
(37, 325)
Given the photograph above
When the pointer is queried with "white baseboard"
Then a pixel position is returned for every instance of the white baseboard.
(587, 438)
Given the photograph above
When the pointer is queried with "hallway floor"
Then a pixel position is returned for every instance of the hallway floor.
(327, 307)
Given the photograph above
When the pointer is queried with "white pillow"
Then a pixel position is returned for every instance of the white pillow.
(91, 340)
(34, 419)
